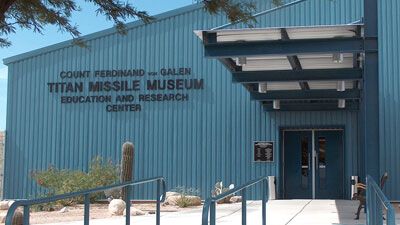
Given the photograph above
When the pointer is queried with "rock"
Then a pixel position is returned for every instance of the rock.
(137, 212)
(195, 200)
(170, 193)
(4, 205)
(63, 210)
(116, 207)
(18, 218)
(174, 199)
(171, 200)
(10, 203)
(235, 199)
(225, 200)
(171, 196)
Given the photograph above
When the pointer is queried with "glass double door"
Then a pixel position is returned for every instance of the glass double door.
(313, 164)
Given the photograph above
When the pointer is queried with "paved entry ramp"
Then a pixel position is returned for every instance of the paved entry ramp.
(321, 212)
(279, 212)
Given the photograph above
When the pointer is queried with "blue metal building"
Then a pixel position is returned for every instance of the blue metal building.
(188, 121)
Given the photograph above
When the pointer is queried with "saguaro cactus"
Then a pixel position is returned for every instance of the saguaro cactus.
(128, 151)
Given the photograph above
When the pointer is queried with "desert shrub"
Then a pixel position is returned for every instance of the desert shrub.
(186, 190)
(58, 181)
(184, 201)
(49, 206)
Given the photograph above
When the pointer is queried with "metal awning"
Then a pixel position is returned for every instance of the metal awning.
(274, 33)
(321, 64)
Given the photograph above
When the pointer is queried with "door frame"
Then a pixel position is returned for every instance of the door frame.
(282, 130)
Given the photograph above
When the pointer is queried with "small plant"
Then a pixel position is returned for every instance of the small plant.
(184, 200)
(186, 191)
(65, 181)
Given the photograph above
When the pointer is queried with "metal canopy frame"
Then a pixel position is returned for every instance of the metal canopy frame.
(284, 47)
(306, 95)
(294, 61)
(227, 46)
(312, 106)
(293, 75)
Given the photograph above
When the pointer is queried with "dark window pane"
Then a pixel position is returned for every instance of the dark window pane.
(304, 162)
(322, 162)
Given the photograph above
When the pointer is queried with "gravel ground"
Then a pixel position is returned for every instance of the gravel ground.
(97, 211)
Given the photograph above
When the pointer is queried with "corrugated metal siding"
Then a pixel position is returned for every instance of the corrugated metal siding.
(195, 143)
(2, 147)
(389, 69)
(312, 12)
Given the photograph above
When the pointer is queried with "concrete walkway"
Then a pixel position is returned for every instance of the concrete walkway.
(279, 212)
(321, 212)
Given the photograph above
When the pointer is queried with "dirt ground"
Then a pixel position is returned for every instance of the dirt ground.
(97, 211)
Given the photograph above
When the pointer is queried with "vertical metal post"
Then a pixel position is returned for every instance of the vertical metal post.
(264, 192)
(158, 211)
(212, 213)
(86, 211)
(368, 202)
(26, 214)
(313, 161)
(372, 210)
(128, 205)
(244, 207)
(390, 218)
(379, 209)
(377, 214)
(370, 102)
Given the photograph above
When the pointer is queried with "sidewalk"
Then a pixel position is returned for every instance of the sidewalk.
(279, 212)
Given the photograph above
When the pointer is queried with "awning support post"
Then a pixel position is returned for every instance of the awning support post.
(370, 102)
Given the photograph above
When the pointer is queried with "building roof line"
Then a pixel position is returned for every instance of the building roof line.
(102, 33)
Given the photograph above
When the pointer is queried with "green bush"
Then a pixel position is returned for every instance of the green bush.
(65, 181)
(184, 201)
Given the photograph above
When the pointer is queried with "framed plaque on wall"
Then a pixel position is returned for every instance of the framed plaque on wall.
(263, 151)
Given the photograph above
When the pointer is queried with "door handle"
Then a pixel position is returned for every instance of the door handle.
(309, 161)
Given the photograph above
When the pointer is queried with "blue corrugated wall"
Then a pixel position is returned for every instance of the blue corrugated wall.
(195, 143)
(389, 100)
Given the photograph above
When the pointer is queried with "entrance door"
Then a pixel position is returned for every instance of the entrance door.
(313, 164)
(297, 161)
